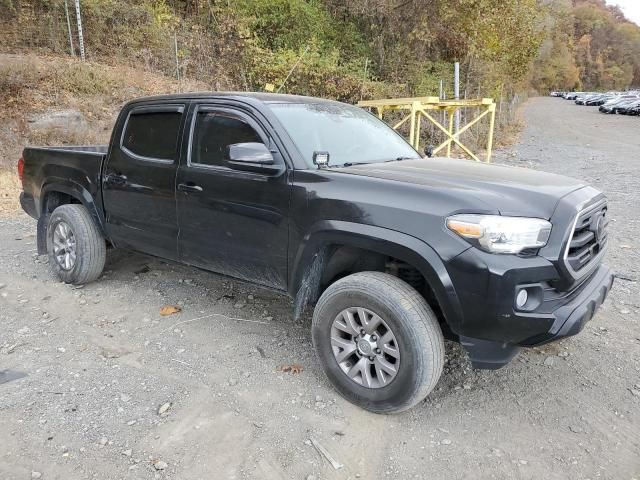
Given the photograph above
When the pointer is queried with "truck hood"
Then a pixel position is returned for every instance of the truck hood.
(507, 190)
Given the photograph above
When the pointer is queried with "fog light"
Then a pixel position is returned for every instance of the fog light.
(522, 298)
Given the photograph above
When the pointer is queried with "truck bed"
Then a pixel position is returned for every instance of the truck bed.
(77, 166)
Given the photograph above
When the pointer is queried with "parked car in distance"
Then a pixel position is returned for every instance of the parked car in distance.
(600, 99)
(324, 202)
(622, 102)
(572, 95)
(619, 103)
(582, 99)
(629, 108)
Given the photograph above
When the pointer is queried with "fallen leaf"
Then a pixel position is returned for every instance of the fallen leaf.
(169, 310)
(293, 368)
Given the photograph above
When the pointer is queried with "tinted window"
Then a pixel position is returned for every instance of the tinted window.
(214, 132)
(153, 134)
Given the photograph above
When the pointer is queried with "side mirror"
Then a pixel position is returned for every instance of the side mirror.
(251, 157)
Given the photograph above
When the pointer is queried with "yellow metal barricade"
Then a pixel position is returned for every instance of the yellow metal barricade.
(418, 107)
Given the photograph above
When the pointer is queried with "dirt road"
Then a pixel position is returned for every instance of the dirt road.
(99, 362)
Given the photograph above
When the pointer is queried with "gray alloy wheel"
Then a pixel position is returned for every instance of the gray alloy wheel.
(378, 341)
(365, 347)
(64, 245)
(77, 249)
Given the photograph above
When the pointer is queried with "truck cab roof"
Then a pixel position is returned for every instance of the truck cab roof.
(251, 97)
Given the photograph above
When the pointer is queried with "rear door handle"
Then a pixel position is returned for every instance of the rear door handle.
(189, 187)
(115, 179)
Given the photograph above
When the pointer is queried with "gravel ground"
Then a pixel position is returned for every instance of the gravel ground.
(110, 389)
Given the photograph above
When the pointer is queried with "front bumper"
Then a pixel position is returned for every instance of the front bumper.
(493, 330)
(571, 317)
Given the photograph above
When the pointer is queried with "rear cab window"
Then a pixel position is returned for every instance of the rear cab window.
(152, 132)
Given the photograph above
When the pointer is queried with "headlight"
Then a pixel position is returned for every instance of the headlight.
(498, 234)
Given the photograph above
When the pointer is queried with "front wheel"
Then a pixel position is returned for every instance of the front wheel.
(378, 341)
(77, 250)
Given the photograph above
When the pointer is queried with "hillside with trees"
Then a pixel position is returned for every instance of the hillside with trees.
(343, 49)
(587, 46)
(347, 49)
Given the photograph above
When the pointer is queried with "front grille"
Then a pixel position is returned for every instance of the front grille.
(589, 237)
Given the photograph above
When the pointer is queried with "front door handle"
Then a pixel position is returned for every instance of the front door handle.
(189, 187)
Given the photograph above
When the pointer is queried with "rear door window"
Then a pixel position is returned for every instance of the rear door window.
(153, 133)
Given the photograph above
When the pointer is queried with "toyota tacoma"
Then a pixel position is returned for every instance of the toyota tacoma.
(324, 202)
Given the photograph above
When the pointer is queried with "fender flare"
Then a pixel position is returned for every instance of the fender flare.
(381, 240)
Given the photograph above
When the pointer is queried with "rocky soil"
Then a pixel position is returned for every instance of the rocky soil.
(96, 384)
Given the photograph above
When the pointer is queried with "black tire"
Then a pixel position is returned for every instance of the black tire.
(416, 329)
(90, 246)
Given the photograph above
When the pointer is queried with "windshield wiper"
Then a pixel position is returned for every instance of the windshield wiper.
(349, 164)
(399, 159)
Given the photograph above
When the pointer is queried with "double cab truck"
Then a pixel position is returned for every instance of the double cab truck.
(324, 202)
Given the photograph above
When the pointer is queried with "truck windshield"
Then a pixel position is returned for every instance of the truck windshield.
(350, 134)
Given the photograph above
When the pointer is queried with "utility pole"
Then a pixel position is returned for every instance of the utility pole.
(66, 12)
(364, 77)
(80, 37)
(456, 92)
(175, 47)
(441, 97)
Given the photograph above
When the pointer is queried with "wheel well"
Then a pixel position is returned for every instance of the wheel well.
(343, 260)
(54, 199)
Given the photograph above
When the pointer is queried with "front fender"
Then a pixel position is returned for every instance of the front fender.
(387, 242)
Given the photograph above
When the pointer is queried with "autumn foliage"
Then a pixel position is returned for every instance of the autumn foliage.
(348, 49)
(587, 46)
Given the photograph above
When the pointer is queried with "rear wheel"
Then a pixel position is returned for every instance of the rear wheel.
(378, 341)
(77, 250)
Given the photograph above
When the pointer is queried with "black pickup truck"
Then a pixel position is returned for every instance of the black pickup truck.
(326, 203)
